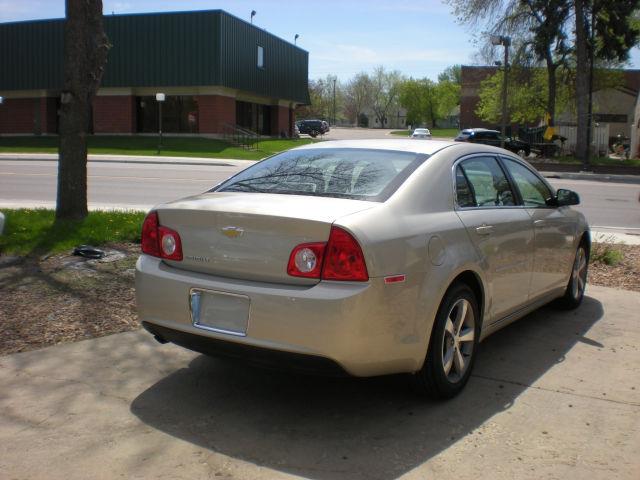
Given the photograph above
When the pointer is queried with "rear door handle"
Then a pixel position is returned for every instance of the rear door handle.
(484, 230)
(540, 223)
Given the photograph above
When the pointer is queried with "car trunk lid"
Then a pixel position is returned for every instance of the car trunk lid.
(251, 235)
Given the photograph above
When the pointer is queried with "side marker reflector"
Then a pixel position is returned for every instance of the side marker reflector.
(395, 279)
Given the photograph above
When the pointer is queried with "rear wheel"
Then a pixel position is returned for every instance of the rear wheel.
(577, 283)
(453, 345)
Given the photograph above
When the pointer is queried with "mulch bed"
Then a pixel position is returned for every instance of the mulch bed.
(64, 298)
(624, 276)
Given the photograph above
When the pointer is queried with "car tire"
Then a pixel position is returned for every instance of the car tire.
(574, 293)
(452, 347)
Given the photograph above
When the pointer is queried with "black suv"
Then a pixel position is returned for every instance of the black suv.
(493, 138)
(313, 127)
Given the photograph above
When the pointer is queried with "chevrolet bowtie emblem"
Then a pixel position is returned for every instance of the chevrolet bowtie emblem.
(233, 232)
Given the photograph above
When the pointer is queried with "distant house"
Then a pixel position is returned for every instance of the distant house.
(215, 69)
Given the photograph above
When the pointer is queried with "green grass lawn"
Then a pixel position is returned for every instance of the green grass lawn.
(35, 230)
(145, 145)
(435, 132)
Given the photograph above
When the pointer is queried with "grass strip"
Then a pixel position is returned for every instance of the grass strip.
(35, 231)
(148, 146)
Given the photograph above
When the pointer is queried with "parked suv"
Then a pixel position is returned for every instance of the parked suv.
(493, 138)
(313, 127)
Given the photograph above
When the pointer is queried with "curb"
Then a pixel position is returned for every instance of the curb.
(595, 177)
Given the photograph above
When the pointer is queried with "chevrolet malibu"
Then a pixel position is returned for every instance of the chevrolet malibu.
(362, 257)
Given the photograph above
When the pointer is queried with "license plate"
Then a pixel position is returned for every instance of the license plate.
(220, 311)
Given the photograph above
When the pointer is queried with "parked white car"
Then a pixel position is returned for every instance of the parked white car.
(422, 133)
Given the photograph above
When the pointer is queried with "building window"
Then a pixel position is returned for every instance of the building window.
(260, 57)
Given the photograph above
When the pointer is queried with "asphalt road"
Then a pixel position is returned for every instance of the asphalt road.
(140, 186)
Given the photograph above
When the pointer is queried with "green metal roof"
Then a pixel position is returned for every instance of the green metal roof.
(176, 49)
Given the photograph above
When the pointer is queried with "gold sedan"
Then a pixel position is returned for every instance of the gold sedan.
(362, 257)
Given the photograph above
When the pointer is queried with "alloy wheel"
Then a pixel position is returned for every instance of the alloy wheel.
(458, 340)
(579, 274)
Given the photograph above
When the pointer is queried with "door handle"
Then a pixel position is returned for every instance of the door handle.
(540, 223)
(484, 230)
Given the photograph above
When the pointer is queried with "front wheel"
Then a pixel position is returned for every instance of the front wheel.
(574, 293)
(453, 345)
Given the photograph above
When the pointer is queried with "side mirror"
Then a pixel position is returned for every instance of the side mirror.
(566, 197)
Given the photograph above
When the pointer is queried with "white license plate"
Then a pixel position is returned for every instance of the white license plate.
(220, 311)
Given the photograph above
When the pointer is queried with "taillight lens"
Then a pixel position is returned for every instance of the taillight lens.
(341, 258)
(306, 260)
(149, 241)
(344, 259)
(170, 244)
(160, 241)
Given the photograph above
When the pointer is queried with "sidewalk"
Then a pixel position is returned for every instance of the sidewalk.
(555, 395)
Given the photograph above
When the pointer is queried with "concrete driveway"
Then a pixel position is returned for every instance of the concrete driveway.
(555, 395)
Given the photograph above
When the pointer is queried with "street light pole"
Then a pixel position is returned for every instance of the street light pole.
(506, 42)
(334, 101)
(160, 99)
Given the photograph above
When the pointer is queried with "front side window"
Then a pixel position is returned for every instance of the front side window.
(360, 174)
(533, 190)
(260, 57)
(488, 182)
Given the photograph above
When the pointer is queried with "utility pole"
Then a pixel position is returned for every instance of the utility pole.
(585, 162)
(506, 42)
(334, 101)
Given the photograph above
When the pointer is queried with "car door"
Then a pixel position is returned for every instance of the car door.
(554, 229)
(500, 229)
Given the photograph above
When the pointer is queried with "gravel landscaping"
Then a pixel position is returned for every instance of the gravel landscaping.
(66, 298)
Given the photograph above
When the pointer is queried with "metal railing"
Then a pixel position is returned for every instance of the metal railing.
(240, 136)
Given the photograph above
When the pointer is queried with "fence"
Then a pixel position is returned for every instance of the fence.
(599, 138)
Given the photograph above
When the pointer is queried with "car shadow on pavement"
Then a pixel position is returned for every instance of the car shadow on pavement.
(328, 428)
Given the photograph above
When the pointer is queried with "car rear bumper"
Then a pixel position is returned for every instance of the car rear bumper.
(363, 328)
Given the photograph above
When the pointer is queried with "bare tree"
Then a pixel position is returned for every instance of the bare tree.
(85, 55)
(385, 92)
(357, 96)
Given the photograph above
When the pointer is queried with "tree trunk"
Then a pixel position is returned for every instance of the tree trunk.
(85, 54)
(582, 81)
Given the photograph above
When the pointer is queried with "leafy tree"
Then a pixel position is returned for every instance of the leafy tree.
(85, 55)
(526, 103)
(418, 97)
(451, 74)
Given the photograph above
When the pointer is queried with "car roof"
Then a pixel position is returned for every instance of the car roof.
(402, 145)
(480, 130)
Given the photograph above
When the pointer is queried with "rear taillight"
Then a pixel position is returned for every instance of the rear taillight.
(160, 241)
(149, 241)
(344, 259)
(306, 260)
(341, 258)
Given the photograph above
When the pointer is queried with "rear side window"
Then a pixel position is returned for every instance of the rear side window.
(488, 182)
(361, 174)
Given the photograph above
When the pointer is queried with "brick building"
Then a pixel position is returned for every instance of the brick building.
(215, 70)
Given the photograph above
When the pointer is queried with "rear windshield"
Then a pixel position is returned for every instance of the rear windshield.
(361, 174)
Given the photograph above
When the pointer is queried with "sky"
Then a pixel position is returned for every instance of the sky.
(420, 38)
